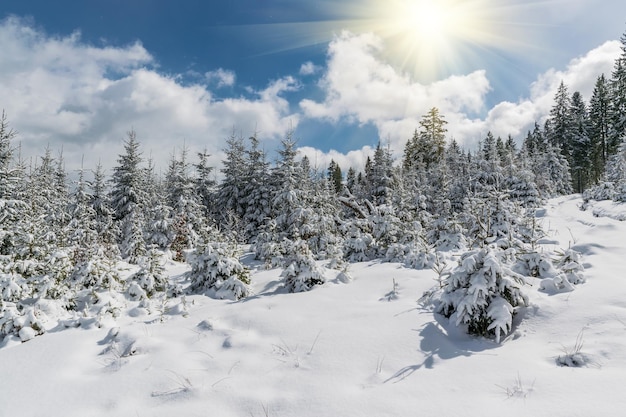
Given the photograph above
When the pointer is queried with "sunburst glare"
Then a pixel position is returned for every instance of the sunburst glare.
(427, 39)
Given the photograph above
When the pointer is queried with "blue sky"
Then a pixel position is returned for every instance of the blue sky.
(342, 74)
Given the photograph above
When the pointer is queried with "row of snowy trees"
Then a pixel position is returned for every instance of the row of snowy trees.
(588, 134)
(58, 241)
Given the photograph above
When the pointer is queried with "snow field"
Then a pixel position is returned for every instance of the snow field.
(361, 348)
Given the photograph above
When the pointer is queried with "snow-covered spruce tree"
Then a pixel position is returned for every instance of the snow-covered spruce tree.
(204, 182)
(189, 224)
(267, 248)
(560, 127)
(127, 199)
(492, 218)
(48, 197)
(617, 101)
(447, 233)
(106, 228)
(216, 270)
(599, 127)
(229, 205)
(289, 184)
(381, 177)
(150, 279)
(387, 231)
(100, 273)
(160, 226)
(356, 230)
(12, 208)
(82, 230)
(581, 148)
(522, 188)
(616, 172)
(482, 294)
(301, 273)
(552, 171)
(256, 192)
(7, 174)
(291, 212)
(358, 243)
(158, 214)
(321, 231)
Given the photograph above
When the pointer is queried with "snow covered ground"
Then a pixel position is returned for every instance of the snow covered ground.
(364, 347)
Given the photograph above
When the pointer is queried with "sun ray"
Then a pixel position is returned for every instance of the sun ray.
(427, 39)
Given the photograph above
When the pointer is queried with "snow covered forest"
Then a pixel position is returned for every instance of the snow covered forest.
(471, 216)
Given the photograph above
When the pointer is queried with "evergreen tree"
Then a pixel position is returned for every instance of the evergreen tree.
(229, 202)
(159, 229)
(188, 216)
(83, 234)
(535, 141)
(552, 173)
(351, 180)
(12, 209)
(581, 144)
(256, 191)
(381, 177)
(287, 200)
(302, 272)
(483, 294)
(7, 175)
(335, 176)
(617, 102)
(432, 136)
(559, 130)
(205, 184)
(412, 157)
(599, 127)
(49, 201)
(616, 173)
(106, 229)
(216, 270)
(127, 198)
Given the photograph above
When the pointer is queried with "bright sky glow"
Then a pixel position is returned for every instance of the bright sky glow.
(429, 39)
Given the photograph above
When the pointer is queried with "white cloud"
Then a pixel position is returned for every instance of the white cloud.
(62, 93)
(321, 160)
(223, 78)
(360, 88)
(308, 68)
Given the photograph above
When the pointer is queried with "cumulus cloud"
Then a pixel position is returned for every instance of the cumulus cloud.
(223, 78)
(321, 160)
(62, 93)
(361, 88)
(309, 68)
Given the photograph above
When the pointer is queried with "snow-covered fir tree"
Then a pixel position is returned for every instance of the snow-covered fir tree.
(150, 279)
(483, 294)
(216, 270)
(302, 272)
(256, 192)
(189, 221)
(230, 206)
(106, 228)
(127, 198)
(205, 183)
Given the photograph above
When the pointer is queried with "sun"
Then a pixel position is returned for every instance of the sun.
(423, 20)
(433, 38)
(426, 39)
(429, 35)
